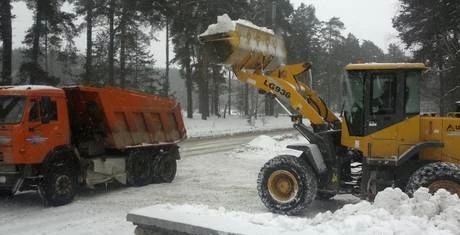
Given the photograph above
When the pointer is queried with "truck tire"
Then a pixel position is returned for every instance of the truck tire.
(435, 176)
(59, 185)
(286, 185)
(164, 169)
(138, 167)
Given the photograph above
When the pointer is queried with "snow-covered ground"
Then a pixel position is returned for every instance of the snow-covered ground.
(392, 212)
(230, 125)
(224, 183)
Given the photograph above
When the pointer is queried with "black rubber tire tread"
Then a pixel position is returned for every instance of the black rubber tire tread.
(324, 196)
(427, 174)
(164, 169)
(306, 179)
(139, 168)
(48, 186)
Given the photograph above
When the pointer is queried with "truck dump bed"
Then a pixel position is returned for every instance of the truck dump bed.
(123, 119)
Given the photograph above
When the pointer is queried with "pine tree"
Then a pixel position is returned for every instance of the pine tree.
(191, 18)
(6, 37)
(395, 54)
(431, 29)
(51, 28)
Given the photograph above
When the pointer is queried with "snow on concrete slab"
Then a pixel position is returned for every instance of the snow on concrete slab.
(231, 125)
(393, 212)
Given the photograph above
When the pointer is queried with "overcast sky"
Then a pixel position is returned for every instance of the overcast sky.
(366, 19)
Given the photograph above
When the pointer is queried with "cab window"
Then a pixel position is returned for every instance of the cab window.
(411, 94)
(35, 113)
(383, 94)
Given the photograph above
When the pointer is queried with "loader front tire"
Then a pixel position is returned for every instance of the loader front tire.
(435, 176)
(59, 185)
(286, 185)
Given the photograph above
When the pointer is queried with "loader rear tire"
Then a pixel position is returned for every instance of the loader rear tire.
(286, 185)
(59, 185)
(138, 167)
(435, 176)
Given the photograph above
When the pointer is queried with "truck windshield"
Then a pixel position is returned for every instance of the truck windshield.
(354, 105)
(11, 109)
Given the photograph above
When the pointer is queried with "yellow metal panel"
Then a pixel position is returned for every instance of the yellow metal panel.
(431, 129)
(389, 142)
(383, 66)
(451, 139)
(408, 134)
(380, 148)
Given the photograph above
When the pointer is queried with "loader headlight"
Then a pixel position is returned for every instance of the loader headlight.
(5, 140)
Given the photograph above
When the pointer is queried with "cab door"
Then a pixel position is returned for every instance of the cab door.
(45, 129)
(383, 113)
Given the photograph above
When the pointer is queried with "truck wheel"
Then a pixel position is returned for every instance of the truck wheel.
(138, 167)
(59, 185)
(286, 185)
(164, 169)
(435, 176)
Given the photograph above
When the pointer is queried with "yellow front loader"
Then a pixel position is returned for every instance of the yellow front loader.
(381, 141)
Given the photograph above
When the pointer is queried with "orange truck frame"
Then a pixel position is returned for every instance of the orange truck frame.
(55, 140)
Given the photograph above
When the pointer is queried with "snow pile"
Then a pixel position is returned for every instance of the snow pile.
(266, 147)
(264, 142)
(226, 24)
(393, 212)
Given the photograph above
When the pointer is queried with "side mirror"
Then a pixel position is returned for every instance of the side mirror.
(45, 109)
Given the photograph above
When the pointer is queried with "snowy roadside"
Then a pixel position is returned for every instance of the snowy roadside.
(226, 182)
(393, 212)
(231, 125)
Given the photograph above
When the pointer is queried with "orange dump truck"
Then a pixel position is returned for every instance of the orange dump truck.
(55, 140)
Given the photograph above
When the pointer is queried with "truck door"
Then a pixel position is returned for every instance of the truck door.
(42, 137)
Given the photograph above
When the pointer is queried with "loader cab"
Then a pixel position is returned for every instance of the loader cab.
(380, 95)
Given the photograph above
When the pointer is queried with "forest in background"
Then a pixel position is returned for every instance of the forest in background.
(118, 33)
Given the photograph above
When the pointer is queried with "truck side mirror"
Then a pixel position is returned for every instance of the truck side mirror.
(45, 109)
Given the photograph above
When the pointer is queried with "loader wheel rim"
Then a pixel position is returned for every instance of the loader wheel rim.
(451, 186)
(63, 185)
(283, 186)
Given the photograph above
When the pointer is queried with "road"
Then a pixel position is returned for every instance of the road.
(217, 172)
(200, 146)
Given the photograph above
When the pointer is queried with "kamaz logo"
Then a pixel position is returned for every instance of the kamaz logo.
(274, 87)
(453, 127)
(36, 139)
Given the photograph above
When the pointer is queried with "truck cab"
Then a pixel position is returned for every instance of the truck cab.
(33, 122)
(54, 140)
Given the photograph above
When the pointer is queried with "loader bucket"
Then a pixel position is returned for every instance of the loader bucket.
(243, 45)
